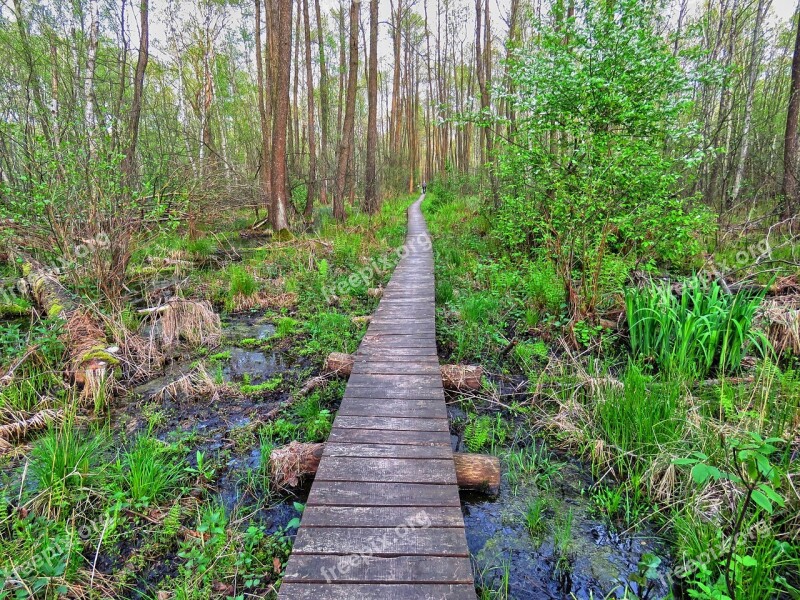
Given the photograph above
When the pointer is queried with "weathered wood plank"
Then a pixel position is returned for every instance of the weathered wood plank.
(351, 493)
(360, 407)
(397, 569)
(387, 436)
(390, 470)
(371, 591)
(379, 541)
(382, 516)
(392, 423)
(387, 450)
(392, 393)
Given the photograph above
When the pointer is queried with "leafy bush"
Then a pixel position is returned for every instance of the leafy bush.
(703, 329)
(585, 173)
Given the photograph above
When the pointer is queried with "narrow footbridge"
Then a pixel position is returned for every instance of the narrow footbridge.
(383, 519)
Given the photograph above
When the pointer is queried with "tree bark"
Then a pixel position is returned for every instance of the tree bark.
(311, 185)
(345, 146)
(128, 166)
(790, 183)
(755, 59)
(279, 217)
(371, 175)
(266, 183)
(324, 107)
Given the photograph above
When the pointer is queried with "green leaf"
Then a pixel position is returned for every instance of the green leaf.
(762, 501)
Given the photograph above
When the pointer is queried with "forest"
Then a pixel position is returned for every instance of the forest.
(202, 203)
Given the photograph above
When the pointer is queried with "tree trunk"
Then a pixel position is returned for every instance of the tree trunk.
(262, 112)
(345, 147)
(311, 186)
(324, 106)
(91, 365)
(128, 166)
(755, 59)
(279, 217)
(371, 175)
(790, 184)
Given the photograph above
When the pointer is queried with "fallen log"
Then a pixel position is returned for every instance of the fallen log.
(91, 361)
(291, 463)
(454, 377)
(19, 429)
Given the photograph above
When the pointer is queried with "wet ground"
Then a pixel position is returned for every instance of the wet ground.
(596, 562)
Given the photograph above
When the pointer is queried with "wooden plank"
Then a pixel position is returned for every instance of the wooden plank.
(418, 367)
(390, 393)
(379, 541)
(351, 493)
(385, 436)
(371, 591)
(390, 470)
(360, 407)
(387, 450)
(400, 381)
(391, 423)
(396, 569)
(382, 516)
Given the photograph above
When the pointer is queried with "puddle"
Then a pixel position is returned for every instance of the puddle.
(258, 366)
(597, 562)
(243, 326)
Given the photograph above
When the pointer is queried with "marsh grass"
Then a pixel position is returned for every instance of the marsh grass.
(150, 471)
(65, 464)
(702, 329)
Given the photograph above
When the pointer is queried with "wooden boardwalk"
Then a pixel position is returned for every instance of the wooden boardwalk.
(383, 519)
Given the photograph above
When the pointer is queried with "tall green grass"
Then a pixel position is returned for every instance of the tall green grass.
(701, 330)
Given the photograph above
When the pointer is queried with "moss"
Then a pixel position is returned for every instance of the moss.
(55, 309)
(100, 354)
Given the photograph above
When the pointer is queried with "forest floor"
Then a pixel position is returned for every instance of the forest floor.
(164, 490)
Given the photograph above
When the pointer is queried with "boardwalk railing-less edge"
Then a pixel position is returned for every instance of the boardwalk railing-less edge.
(383, 519)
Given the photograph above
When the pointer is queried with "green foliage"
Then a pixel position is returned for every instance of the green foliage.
(331, 332)
(150, 471)
(639, 421)
(544, 288)
(701, 330)
(201, 247)
(64, 463)
(241, 282)
(269, 385)
(477, 433)
(585, 173)
(286, 326)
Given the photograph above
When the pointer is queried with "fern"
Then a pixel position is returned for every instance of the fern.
(172, 522)
(477, 433)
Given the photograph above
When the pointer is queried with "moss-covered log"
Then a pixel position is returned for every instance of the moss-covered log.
(91, 362)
